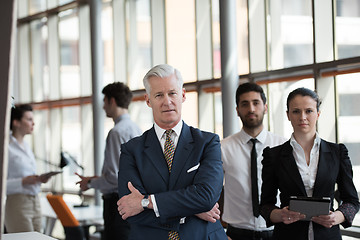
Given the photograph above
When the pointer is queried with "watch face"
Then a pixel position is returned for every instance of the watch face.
(145, 202)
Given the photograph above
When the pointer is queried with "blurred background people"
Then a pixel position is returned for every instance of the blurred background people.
(117, 98)
(22, 208)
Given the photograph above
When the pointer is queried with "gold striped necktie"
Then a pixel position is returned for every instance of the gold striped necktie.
(169, 149)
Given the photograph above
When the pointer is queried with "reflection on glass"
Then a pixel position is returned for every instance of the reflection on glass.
(139, 41)
(69, 54)
(290, 33)
(180, 37)
(347, 28)
(108, 43)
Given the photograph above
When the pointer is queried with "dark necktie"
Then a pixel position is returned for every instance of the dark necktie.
(254, 180)
(169, 149)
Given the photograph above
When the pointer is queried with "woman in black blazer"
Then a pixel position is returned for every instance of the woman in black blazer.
(307, 165)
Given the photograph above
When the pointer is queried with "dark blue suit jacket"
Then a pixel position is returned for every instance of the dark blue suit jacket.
(188, 190)
(280, 172)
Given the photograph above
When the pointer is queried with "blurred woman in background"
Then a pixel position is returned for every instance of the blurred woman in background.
(22, 208)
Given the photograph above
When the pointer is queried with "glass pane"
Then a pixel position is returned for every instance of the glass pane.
(349, 118)
(39, 57)
(69, 55)
(62, 2)
(242, 36)
(141, 114)
(218, 115)
(108, 43)
(71, 143)
(277, 118)
(190, 109)
(347, 28)
(180, 37)
(216, 38)
(139, 41)
(348, 91)
(36, 6)
(290, 33)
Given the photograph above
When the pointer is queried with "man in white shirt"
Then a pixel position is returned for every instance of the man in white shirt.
(239, 212)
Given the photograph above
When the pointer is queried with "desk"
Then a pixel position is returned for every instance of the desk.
(87, 216)
(25, 236)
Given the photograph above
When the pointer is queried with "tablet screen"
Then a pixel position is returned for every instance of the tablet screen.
(310, 206)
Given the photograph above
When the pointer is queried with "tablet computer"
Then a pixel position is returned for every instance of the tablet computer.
(310, 206)
(50, 174)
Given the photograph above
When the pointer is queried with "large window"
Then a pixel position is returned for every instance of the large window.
(281, 44)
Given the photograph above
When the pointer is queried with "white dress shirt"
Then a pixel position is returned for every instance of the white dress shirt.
(307, 172)
(160, 133)
(235, 152)
(21, 164)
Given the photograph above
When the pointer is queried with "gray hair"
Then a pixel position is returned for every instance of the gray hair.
(162, 71)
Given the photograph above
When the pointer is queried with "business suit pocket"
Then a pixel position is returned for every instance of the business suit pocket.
(193, 168)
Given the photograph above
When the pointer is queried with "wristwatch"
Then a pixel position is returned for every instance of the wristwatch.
(145, 202)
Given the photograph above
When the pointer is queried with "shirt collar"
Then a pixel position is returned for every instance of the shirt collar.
(121, 117)
(160, 132)
(245, 138)
(317, 140)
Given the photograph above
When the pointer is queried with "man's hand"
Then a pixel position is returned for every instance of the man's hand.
(130, 205)
(84, 182)
(210, 216)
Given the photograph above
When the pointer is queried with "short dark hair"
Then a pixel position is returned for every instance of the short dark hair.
(249, 87)
(120, 92)
(17, 112)
(303, 92)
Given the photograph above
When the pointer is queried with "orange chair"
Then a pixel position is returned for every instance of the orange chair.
(72, 228)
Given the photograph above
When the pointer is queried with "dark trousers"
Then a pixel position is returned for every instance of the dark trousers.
(245, 234)
(114, 226)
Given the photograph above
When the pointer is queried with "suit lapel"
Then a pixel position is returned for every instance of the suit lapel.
(324, 167)
(183, 149)
(290, 166)
(155, 154)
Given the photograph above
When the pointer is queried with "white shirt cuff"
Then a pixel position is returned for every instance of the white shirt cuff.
(156, 210)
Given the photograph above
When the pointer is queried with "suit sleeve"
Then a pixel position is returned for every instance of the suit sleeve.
(269, 186)
(128, 173)
(348, 194)
(203, 193)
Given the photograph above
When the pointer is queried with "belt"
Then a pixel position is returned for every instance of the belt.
(250, 233)
(111, 196)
